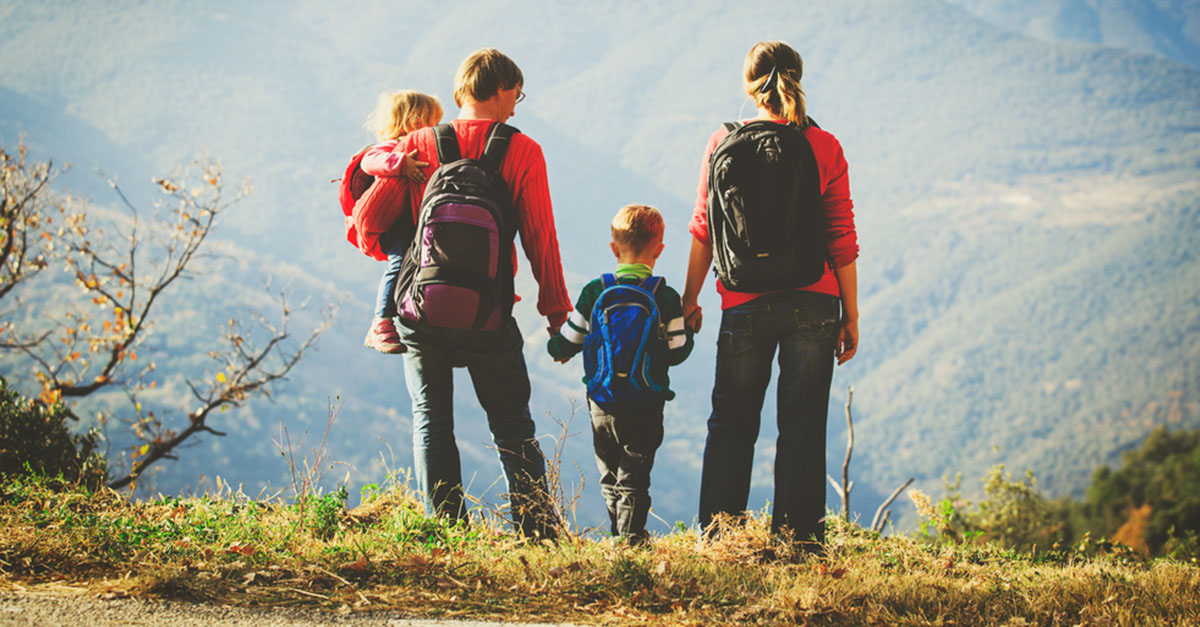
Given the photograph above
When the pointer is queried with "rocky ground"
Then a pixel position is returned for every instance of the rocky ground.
(66, 605)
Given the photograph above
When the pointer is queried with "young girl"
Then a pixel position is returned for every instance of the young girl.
(396, 115)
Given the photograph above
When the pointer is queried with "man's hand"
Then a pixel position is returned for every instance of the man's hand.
(563, 360)
(693, 315)
(410, 168)
(847, 341)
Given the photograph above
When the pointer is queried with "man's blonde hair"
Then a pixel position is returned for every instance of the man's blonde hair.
(483, 74)
(398, 113)
(636, 227)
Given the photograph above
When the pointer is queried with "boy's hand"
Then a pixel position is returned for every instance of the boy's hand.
(563, 360)
(410, 168)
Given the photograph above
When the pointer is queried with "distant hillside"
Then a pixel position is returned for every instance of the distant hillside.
(1027, 208)
(1169, 28)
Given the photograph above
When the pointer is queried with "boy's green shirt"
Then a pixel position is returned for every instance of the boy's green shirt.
(670, 309)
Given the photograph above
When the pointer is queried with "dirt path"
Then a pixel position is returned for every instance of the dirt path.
(65, 605)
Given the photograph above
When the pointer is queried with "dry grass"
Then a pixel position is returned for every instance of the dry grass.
(388, 555)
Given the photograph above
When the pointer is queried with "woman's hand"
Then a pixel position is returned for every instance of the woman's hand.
(699, 261)
(410, 168)
(847, 341)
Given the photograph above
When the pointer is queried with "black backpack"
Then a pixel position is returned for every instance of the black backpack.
(458, 273)
(765, 218)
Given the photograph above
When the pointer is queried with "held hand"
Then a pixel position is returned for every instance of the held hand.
(693, 316)
(553, 330)
(410, 168)
(563, 360)
(847, 341)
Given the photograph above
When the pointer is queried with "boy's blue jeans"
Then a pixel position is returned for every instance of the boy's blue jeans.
(804, 327)
(497, 367)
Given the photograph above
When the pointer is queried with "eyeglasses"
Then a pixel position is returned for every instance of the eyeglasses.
(520, 97)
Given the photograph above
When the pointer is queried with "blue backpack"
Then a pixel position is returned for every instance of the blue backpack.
(624, 354)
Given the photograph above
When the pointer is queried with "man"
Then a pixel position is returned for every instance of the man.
(487, 88)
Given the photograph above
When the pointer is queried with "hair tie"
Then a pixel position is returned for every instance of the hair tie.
(766, 87)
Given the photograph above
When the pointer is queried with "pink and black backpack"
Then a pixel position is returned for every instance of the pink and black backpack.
(458, 273)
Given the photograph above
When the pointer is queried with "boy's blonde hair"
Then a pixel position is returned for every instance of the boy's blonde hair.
(483, 74)
(399, 113)
(637, 227)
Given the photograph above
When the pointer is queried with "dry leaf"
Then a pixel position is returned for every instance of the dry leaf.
(358, 566)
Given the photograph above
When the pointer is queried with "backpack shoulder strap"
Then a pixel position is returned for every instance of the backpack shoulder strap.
(608, 280)
(447, 143)
(499, 137)
(651, 283)
(732, 126)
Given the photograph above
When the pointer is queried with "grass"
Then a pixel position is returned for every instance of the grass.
(387, 555)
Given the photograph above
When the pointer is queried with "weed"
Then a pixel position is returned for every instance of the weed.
(324, 512)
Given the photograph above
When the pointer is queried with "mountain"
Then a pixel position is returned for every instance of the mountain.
(1027, 208)
(1168, 28)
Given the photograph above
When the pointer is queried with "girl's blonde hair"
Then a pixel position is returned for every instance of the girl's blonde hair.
(772, 74)
(399, 113)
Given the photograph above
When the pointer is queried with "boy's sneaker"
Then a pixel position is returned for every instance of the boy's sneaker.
(383, 337)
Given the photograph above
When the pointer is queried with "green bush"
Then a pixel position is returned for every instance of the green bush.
(34, 439)
(1151, 504)
(1014, 514)
(1160, 480)
(325, 512)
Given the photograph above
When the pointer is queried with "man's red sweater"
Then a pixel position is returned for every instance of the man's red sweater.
(840, 235)
(524, 169)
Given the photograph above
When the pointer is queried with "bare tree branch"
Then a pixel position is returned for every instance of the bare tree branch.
(25, 210)
(846, 484)
(878, 520)
(126, 274)
(245, 372)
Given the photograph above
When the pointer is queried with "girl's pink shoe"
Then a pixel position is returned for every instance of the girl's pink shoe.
(383, 337)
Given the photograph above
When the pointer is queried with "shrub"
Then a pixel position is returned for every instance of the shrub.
(324, 512)
(34, 439)
(1014, 513)
(1153, 499)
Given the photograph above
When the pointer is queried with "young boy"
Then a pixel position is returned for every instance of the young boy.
(627, 422)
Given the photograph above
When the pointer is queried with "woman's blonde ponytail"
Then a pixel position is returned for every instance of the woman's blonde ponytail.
(772, 73)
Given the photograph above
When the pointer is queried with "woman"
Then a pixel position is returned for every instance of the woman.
(811, 326)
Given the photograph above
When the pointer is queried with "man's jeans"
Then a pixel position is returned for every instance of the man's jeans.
(625, 443)
(497, 368)
(804, 326)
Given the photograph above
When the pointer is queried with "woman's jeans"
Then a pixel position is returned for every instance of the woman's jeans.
(497, 368)
(804, 327)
